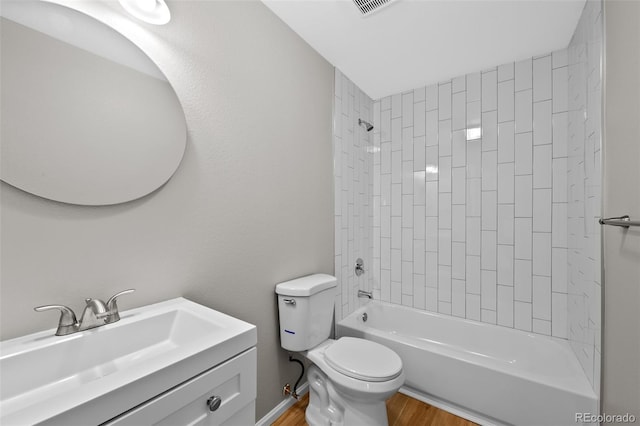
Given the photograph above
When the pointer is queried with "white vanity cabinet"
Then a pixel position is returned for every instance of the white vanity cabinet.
(231, 384)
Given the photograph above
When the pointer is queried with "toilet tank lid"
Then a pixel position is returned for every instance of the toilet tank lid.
(306, 286)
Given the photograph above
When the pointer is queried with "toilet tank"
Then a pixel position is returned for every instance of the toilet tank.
(305, 306)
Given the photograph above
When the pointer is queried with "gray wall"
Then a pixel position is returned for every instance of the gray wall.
(621, 345)
(250, 205)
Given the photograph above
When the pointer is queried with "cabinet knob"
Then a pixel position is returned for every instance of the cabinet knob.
(214, 402)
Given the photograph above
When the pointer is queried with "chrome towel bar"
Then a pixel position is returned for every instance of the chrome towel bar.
(623, 221)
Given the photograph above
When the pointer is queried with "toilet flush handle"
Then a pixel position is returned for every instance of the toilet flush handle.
(289, 301)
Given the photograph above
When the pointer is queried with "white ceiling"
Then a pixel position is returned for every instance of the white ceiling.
(412, 43)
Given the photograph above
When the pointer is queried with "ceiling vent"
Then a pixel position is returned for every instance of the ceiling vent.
(367, 7)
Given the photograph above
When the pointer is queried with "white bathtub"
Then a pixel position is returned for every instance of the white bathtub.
(486, 373)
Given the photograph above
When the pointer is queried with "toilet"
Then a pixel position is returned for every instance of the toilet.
(349, 379)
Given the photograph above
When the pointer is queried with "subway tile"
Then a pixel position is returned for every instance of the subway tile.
(444, 174)
(523, 154)
(431, 269)
(523, 111)
(419, 117)
(542, 297)
(396, 292)
(505, 223)
(385, 157)
(523, 72)
(385, 103)
(542, 253)
(444, 101)
(431, 97)
(489, 250)
(506, 142)
(474, 196)
(459, 149)
(559, 225)
(396, 232)
(505, 72)
(444, 247)
(560, 123)
(542, 166)
(474, 159)
(432, 299)
(488, 290)
(459, 103)
(489, 131)
(407, 299)
(458, 260)
(522, 280)
(458, 223)
(473, 236)
(418, 257)
(542, 78)
(432, 159)
(396, 199)
(522, 316)
(505, 306)
(407, 244)
(560, 90)
(385, 190)
(489, 210)
(559, 268)
(458, 298)
(431, 198)
(418, 222)
(458, 185)
(542, 133)
(444, 308)
(407, 178)
(542, 210)
(490, 170)
(523, 238)
(473, 274)
(407, 109)
(489, 91)
(444, 137)
(396, 265)
(559, 315)
(541, 326)
(396, 134)
(506, 182)
(473, 87)
(407, 278)
(444, 283)
(488, 316)
(473, 114)
(419, 95)
(385, 221)
(418, 292)
(506, 101)
(431, 128)
(444, 210)
(407, 144)
(523, 196)
(385, 254)
(559, 180)
(419, 154)
(396, 105)
(505, 264)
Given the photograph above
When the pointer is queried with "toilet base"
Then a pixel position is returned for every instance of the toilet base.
(328, 407)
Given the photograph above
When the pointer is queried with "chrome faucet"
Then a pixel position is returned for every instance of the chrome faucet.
(96, 313)
(362, 293)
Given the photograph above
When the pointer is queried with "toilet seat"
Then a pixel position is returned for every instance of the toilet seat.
(363, 360)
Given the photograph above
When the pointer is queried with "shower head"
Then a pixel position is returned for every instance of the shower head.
(366, 124)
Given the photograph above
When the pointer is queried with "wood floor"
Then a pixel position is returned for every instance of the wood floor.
(401, 411)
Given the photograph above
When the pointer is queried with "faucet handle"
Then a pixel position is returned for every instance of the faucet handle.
(67, 320)
(112, 305)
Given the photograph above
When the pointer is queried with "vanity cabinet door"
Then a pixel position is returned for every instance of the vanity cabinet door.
(223, 395)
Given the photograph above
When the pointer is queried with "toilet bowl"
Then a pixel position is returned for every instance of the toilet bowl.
(350, 378)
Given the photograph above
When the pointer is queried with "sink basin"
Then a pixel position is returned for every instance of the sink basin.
(92, 376)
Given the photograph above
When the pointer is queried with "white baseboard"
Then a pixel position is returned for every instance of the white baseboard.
(277, 411)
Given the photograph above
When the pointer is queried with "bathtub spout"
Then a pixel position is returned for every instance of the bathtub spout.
(362, 293)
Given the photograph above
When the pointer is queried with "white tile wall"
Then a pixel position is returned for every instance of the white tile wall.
(474, 228)
(584, 57)
(357, 159)
(500, 229)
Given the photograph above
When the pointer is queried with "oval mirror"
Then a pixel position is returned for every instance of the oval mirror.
(86, 117)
